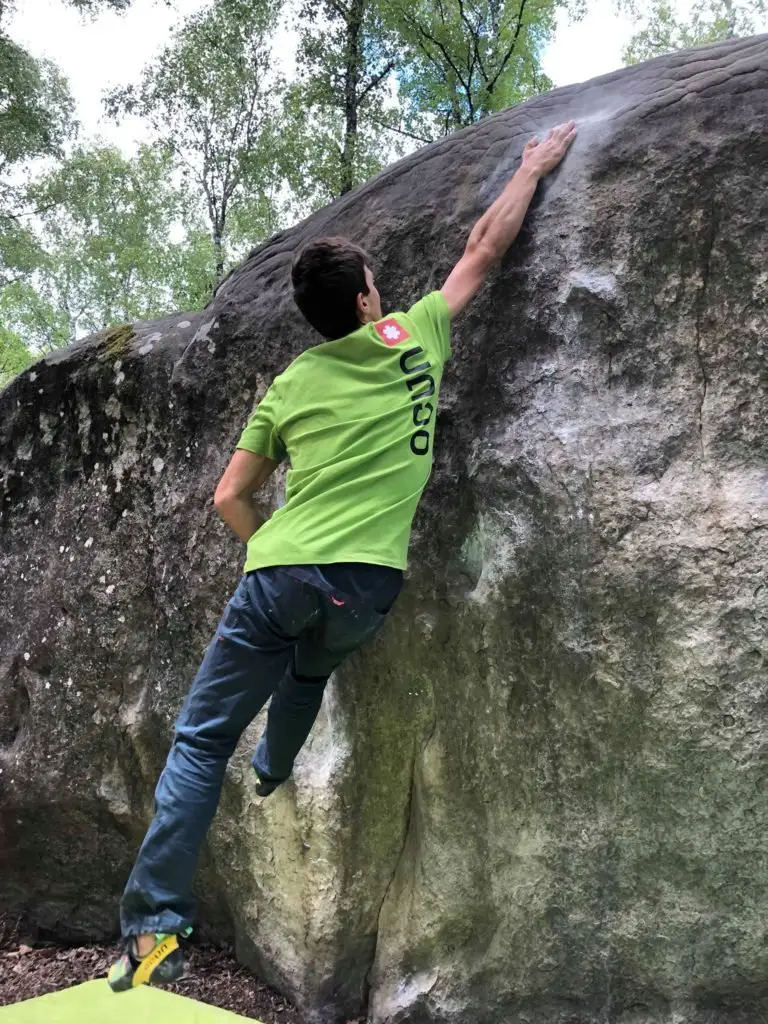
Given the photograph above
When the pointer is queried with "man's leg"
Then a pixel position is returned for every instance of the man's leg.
(242, 666)
(292, 713)
(297, 700)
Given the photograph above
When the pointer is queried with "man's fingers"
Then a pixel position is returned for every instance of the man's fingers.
(557, 134)
(546, 155)
(564, 136)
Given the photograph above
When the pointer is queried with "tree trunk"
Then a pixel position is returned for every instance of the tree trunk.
(351, 83)
(457, 114)
(218, 245)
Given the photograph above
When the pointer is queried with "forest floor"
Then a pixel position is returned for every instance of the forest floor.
(213, 976)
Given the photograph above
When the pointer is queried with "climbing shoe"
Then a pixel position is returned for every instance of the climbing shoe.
(163, 965)
(265, 786)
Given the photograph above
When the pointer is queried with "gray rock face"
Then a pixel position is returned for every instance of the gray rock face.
(542, 794)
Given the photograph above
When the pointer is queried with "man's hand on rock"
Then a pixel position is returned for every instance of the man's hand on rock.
(543, 157)
(498, 227)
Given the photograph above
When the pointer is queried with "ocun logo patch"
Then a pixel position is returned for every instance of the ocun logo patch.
(390, 332)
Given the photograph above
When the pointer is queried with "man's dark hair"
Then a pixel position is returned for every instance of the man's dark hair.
(328, 275)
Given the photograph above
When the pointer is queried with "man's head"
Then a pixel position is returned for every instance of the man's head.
(333, 287)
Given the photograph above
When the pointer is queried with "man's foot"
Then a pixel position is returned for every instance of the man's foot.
(265, 786)
(163, 964)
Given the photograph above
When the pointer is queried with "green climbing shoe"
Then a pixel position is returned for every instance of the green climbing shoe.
(163, 965)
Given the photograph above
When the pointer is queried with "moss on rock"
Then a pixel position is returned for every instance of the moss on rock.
(116, 341)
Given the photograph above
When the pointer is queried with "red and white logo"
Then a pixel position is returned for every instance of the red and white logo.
(390, 332)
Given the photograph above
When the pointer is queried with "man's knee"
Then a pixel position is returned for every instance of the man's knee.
(214, 739)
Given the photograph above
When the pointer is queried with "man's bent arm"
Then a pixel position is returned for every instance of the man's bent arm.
(246, 473)
(500, 224)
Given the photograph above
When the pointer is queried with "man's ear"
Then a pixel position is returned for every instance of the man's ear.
(361, 307)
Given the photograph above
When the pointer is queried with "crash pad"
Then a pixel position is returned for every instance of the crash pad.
(95, 1003)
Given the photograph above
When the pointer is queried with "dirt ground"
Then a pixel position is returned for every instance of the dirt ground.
(213, 976)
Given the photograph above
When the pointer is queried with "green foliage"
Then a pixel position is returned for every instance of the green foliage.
(313, 160)
(88, 7)
(100, 240)
(36, 110)
(36, 119)
(465, 59)
(34, 316)
(94, 6)
(377, 76)
(347, 57)
(14, 355)
(190, 266)
(106, 255)
(212, 100)
(709, 21)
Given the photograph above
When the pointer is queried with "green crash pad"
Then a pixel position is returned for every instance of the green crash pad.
(95, 1003)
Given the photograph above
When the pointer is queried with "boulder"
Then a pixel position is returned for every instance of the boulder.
(542, 794)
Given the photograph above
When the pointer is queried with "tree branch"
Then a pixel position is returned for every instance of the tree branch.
(491, 85)
(340, 9)
(5, 281)
(229, 184)
(249, 121)
(475, 36)
(428, 35)
(471, 41)
(400, 131)
(376, 80)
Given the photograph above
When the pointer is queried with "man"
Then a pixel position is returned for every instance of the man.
(356, 417)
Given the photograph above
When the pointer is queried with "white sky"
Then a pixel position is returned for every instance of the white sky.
(112, 49)
(98, 53)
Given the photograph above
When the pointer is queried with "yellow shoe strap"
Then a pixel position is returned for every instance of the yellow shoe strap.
(151, 960)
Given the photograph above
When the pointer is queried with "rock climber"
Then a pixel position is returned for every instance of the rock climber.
(355, 416)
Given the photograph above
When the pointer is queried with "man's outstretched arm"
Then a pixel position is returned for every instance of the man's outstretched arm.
(500, 224)
(246, 473)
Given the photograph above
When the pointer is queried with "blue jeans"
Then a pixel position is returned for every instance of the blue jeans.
(279, 637)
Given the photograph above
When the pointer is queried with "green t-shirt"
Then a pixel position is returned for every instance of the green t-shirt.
(356, 417)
